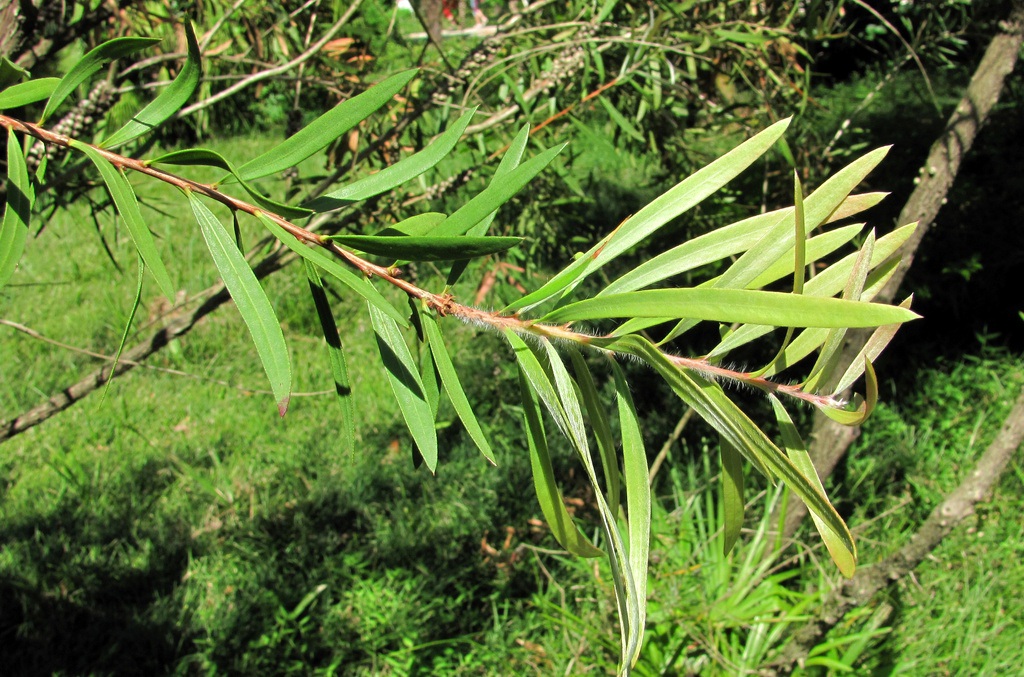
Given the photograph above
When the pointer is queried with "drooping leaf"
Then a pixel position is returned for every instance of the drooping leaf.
(733, 305)
(638, 494)
(332, 266)
(598, 418)
(336, 353)
(251, 301)
(406, 384)
(320, 133)
(14, 229)
(25, 93)
(732, 493)
(168, 102)
(209, 158)
(396, 174)
(453, 386)
(127, 205)
(552, 504)
(843, 555)
(427, 248)
(90, 64)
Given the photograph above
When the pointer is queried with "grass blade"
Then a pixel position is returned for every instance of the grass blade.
(406, 384)
(168, 102)
(318, 134)
(89, 64)
(336, 353)
(127, 204)
(452, 386)
(398, 173)
(14, 229)
(251, 301)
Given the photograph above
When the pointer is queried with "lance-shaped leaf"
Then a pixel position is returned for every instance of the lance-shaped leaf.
(495, 195)
(711, 403)
(552, 504)
(168, 102)
(336, 353)
(453, 387)
(509, 161)
(663, 209)
(139, 279)
(427, 247)
(732, 493)
(209, 158)
(90, 64)
(320, 133)
(396, 174)
(869, 353)
(127, 204)
(638, 494)
(599, 425)
(332, 266)
(251, 301)
(14, 228)
(734, 305)
(25, 93)
(844, 557)
(406, 384)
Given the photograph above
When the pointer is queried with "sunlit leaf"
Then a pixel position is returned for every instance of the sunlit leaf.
(453, 387)
(860, 409)
(336, 353)
(396, 174)
(734, 305)
(25, 93)
(870, 351)
(14, 229)
(168, 102)
(320, 133)
(127, 204)
(406, 384)
(335, 269)
(251, 301)
(599, 426)
(89, 65)
(843, 555)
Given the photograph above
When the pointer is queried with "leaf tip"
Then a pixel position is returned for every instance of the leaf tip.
(282, 405)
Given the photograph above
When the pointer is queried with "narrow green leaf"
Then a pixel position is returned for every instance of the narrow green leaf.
(127, 204)
(25, 93)
(427, 248)
(419, 225)
(860, 409)
(209, 158)
(14, 230)
(328, 263)
(336, 353)
(550, 498)
(251, 301)
(843, 555)
(406, 384)
(127, 326)
(734, 305)
(638, 496)
(91, 63)
(11, 73)
(496, 194)
(732, 493)
(168, 102)
(688, 193)
(598, 418)
(320, 133)
(453, 387)
(869, 353)
(396, 174)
